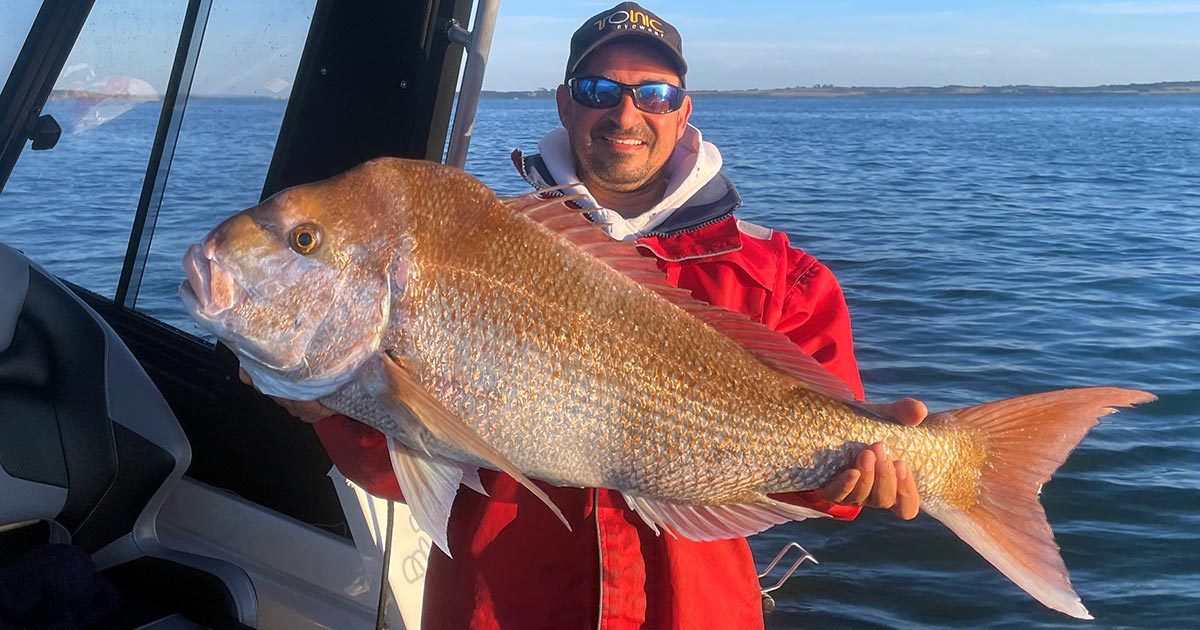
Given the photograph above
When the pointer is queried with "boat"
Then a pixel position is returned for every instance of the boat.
(130, 439)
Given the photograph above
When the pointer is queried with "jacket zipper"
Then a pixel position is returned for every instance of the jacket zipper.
(600, 553)
(689, 230)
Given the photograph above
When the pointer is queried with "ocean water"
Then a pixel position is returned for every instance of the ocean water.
(988, 247)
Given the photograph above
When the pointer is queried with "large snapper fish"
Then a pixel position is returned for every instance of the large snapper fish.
(514, 335)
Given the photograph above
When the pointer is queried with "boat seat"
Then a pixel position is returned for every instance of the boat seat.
(89, 451)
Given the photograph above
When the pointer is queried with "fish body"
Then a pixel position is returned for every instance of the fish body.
(515, 335)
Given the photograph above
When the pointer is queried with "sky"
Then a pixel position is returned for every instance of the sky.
(252, 48)
(781, 43)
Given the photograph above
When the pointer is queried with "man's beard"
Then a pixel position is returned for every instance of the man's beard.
(614, 170)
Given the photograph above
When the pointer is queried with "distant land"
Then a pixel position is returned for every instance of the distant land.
(821, 90)
(826, 90)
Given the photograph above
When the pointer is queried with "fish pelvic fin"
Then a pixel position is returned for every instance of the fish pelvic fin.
(716, 522)
(403, 389)
(429, 487)
(1027, 439)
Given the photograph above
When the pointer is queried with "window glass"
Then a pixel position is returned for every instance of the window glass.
(243, 78)
(16, 16)
(71, 208)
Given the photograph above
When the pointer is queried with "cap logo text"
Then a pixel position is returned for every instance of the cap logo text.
(639, 20)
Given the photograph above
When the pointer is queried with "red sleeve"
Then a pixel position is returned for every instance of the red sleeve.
(816, 318)
(813, 499)
(361, 454)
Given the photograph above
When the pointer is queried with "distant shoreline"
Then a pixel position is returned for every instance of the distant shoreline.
(834, 91)
(816, 91)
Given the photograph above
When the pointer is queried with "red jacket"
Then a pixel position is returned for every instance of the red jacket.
(516, 566)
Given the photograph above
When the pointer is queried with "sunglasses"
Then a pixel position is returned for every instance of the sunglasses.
(602, 93)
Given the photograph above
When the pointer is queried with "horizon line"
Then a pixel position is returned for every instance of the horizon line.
(827, 87)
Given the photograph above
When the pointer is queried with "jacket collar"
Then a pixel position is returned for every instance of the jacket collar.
(705, 240)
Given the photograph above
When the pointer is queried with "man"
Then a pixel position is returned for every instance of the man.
(648, 177)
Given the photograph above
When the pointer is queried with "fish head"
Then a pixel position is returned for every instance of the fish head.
(300, 286)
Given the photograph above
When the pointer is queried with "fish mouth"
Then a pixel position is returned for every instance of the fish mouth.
(209, 290)
(194, 294)
(208, 286)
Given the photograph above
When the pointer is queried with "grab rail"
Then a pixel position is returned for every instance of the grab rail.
(478, 43)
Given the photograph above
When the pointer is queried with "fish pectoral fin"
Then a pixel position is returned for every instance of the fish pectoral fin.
(429, 487)
(403, 389)
(716, 522)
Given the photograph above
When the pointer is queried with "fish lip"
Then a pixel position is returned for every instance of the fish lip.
(191, 301)
(199, 271)
(197, 278)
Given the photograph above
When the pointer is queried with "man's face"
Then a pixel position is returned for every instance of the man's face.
(623, 149)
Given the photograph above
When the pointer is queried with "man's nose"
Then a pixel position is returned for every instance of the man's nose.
(627, 114)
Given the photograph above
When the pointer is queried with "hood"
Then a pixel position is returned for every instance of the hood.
(695, 185)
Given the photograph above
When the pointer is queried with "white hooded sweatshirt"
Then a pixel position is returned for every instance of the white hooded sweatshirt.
(693, 163)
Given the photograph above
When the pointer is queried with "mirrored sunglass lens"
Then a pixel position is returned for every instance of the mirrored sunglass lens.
(657, 98)
(601, 93)
(597, 92)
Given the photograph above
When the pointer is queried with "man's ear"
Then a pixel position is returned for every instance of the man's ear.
(563, 97)
(685, 112)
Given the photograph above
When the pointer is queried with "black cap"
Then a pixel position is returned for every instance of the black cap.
(627, 19)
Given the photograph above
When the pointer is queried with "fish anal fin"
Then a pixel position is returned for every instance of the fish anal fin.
(403, 389)
(716, 522)
(1027, 439)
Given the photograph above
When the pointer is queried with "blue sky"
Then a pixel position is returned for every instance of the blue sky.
(253, 47)
(775, 43)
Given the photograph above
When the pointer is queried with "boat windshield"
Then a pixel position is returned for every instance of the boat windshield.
(16, 16)
(109, 100)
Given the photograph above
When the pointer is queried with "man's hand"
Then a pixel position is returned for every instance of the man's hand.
(309, 411)
(876, 480)
(906, 411)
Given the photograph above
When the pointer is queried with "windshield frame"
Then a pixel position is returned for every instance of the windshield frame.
(162, 152)
(45, 51)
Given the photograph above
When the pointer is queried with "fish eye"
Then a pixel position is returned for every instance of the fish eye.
(305, 239)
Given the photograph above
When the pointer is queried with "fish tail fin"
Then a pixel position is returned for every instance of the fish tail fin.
(1027, 439)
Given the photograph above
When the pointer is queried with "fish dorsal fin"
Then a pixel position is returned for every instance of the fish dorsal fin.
(561, 217)
(404, 390)
(522, 203)
(716, 522)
